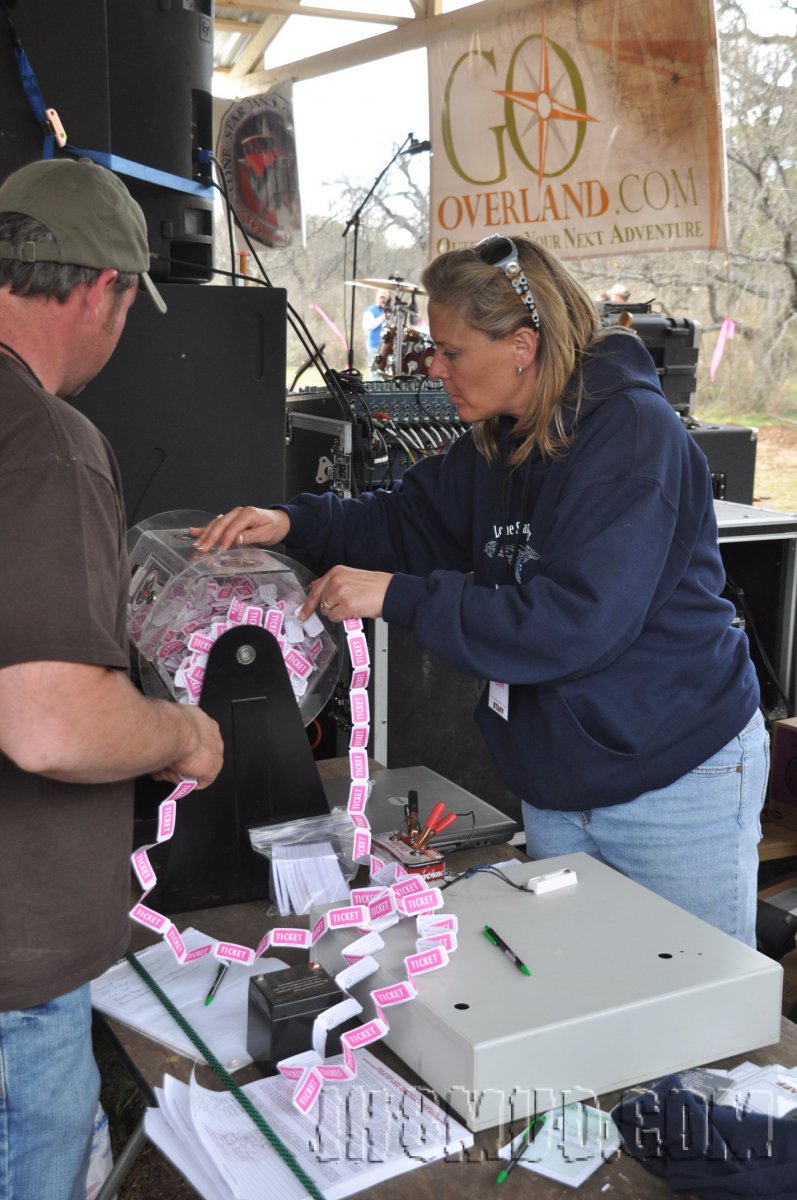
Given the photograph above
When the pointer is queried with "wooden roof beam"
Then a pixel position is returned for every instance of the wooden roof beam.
(416, 34)
(286, 8)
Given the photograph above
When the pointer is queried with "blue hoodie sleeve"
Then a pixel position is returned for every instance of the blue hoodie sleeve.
(419, 526)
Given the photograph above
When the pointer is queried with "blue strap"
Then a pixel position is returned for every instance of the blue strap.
(126, 166)
(32, 90)
(122, 166)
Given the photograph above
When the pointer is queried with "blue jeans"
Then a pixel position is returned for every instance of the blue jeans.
(49, 1090)
(694, 842)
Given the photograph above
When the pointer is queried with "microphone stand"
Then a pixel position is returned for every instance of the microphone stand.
(354, 220)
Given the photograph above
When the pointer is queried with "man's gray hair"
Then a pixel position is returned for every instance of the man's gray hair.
(53, 280)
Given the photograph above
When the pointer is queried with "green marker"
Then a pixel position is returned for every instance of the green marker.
(493, 937)
(223, 968)
(526, 1138)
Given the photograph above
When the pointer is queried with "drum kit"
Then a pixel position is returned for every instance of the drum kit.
(404, 349)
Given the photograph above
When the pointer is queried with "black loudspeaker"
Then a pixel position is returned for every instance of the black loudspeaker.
(730, 451)
(193, 402)
(128, 79)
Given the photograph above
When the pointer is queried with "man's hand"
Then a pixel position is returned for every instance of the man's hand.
(203, 760)
(243, 527)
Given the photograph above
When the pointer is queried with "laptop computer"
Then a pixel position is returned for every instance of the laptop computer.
(478, 823)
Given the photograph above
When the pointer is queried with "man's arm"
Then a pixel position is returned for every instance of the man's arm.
(88, 724)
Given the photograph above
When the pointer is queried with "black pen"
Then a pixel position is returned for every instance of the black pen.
(493, 937)
(526, 1138)
(223, 968)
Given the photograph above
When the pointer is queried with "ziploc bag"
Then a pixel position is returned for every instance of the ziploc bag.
(311, 859)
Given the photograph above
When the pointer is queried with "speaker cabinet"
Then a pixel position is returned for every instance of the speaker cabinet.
(128, 79)
(731, 452)
(193, 402)
(430, 722)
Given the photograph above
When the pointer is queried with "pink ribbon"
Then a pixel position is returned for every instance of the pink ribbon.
(727, 331)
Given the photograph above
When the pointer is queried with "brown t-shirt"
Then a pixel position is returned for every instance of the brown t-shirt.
(64, 847)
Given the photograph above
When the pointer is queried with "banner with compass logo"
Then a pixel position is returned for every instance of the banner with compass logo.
(592, 126)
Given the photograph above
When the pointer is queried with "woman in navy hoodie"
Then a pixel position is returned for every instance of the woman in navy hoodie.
(564, 549)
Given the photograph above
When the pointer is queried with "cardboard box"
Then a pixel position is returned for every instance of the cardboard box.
(783, 772)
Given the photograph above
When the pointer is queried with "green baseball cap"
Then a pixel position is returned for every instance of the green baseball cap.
(90, 212)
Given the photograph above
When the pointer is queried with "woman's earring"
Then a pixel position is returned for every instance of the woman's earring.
(520, 370)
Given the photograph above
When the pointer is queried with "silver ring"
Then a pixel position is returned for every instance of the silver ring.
(325, 605)
(219, 516)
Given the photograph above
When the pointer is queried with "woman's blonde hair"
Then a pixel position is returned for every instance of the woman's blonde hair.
(485, 300)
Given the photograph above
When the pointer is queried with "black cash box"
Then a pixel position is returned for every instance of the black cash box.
(282, 1008)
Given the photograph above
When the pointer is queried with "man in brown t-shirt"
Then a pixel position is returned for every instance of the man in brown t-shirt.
(74, 731)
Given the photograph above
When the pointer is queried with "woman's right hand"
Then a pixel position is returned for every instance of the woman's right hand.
(243, 527)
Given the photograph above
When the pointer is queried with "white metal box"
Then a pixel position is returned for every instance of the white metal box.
(624, 987)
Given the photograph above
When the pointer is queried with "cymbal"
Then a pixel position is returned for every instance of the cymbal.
(393, 285)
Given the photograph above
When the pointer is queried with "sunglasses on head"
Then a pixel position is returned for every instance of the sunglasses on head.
(501, 252)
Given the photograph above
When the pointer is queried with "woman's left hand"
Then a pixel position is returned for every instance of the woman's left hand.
(347, 592)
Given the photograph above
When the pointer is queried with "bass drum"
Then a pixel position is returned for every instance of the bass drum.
(418, 353)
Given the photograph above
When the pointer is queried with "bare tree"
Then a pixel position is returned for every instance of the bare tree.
(755, 282)
(318, 276)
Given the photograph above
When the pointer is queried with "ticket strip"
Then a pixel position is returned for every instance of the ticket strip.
(392, 896)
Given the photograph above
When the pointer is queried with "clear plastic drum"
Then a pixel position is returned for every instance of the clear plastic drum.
(181, 602)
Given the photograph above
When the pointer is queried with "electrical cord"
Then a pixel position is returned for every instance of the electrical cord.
(472, 816)
(750, 622)
(335, 380)
(475, 870)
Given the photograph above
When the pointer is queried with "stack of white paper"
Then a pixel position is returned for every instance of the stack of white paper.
(123, 994)
(365, 1130)
(305, 875)
(572, 1142)
(771, 1090)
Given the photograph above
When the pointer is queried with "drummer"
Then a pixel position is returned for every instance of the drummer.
(373, 322)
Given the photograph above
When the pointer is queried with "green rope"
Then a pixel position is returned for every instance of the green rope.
(228, 1081)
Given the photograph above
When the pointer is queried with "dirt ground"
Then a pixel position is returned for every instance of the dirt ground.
(775, 484)
(152, 1177)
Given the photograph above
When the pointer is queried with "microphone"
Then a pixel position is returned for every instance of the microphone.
(418, 147)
